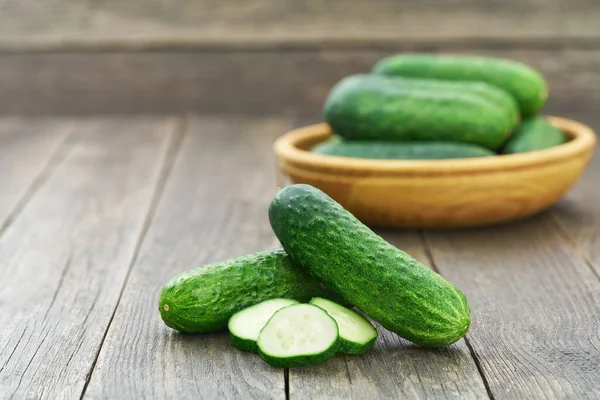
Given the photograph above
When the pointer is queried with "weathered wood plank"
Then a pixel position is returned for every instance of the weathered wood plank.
(240, 82)
(535, 308)
(65, 258)
(29, 152)
(394, 368)
(133, 24)
(214, 207)
(579, 213)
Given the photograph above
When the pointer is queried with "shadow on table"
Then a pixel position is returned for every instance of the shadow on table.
(393, 368)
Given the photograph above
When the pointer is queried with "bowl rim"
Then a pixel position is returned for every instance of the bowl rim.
(583, 140)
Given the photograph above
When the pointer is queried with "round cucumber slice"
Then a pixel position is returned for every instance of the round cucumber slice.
(357, 334)
(299, 335)
(245, 325)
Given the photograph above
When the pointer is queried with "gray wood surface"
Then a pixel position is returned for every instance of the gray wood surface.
(96, 215)
(65, 257)
(394, 369)
(29, 152)
(123, 204)
(242, 82)
(133, 24)
(214, 207)
(579, 214)
(535, 308)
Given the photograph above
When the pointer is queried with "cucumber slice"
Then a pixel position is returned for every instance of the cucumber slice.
(245, 325)
(357, 334)
(298, 336)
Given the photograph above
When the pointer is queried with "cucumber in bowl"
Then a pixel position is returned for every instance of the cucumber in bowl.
(299, 335)
(357, 335)
(245, 326)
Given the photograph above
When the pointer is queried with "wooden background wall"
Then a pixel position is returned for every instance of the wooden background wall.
(270, 57)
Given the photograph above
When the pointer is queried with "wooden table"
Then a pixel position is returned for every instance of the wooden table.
(135, 144)
(96, 214)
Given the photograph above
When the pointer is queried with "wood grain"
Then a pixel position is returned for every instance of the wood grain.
(66, 256)
(394, 368)
(241, 82)
(535, 308)
(131, 24)
(579, 215)
(29, 153)
(214, 208)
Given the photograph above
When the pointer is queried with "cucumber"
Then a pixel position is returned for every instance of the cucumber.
(378, 107)
(384, 282)
(534, 134)
(379, 149)
(298, 336)
(524, 83)
(489, 93)
(357, 335)
(203, 299)
(244, 326)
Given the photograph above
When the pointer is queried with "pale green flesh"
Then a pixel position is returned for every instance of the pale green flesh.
(247, 324)
(298, 330)
(353, 327)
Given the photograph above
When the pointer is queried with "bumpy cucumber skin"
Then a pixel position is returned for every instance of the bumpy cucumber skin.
(534, 134)
(489, 93)
(242, 343)
(379, 149)
(301, 361)
(384, 282)
(524, 83)
(400, 109)
(349, 347)
(203, 299)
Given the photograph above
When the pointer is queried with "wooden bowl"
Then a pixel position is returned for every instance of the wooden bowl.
(449, 193)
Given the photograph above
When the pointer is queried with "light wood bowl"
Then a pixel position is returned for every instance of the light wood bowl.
(435, 194)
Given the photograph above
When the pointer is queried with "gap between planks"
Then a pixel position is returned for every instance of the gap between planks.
(292, 44)
(58, 156)
(582, 193)
(433, 265)
(218, 213)
(91, 211)
(286, 382)
(571, 242)
(177, 130)
(536, 306)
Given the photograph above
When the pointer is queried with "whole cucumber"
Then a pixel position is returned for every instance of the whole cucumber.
(384, 282)
(204, 298)
(399, 109)
(534, 134)
(524, 83)
(378, 149)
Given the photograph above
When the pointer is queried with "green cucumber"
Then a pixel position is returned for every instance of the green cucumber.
(489, 93)
(378, 107)
(244, 326)
(298, 336)
(204, 298)
(524, 83)
(534, 134)
(379, 149)
(385, 283)
(357, 335)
